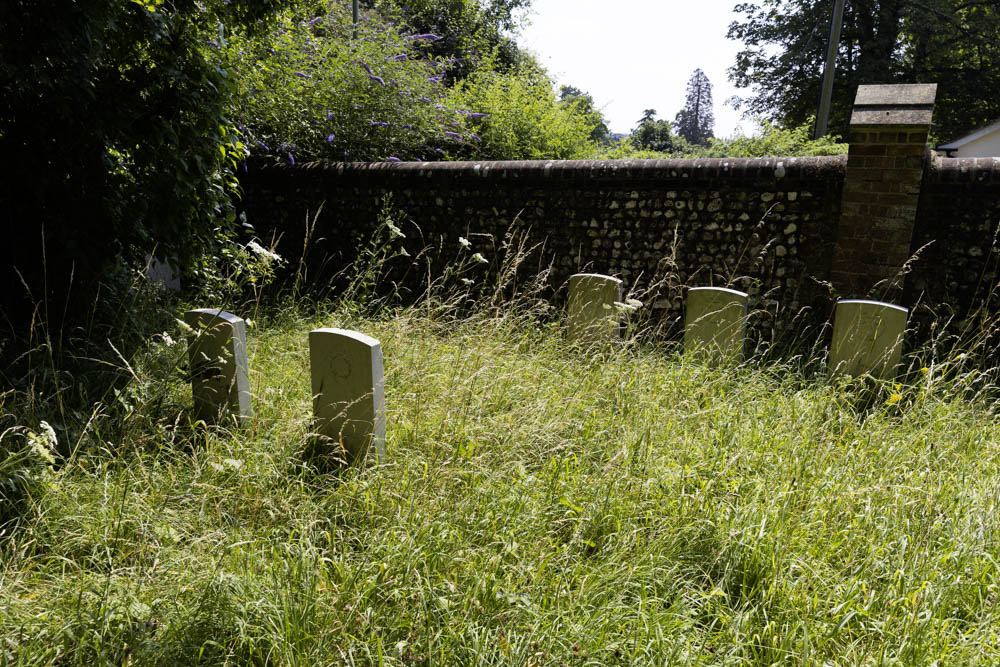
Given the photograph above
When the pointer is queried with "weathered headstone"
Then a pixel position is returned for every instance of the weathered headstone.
(592, 317)
(220, 380)
(348, 392)
(162, 274)
(867, 338)
(715, 323)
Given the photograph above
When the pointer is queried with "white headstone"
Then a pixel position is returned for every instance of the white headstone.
(348, 391)
(592, 317)
(867, 338)
(715, 323)
(220, 379)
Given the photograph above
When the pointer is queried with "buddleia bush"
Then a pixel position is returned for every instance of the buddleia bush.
(310, 90)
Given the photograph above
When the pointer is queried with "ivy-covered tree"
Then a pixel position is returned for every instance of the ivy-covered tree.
(954, 43)
(696, 121)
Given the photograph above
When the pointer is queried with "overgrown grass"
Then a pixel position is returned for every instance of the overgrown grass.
(538, 505)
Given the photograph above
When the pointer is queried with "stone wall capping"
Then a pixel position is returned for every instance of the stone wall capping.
(963, 170)
(659, 170)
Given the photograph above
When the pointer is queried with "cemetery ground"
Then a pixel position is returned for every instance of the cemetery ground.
(537, 505)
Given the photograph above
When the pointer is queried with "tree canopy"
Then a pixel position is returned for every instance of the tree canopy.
(954, 43)
(651, 134)
(583, 104)
(468, 31)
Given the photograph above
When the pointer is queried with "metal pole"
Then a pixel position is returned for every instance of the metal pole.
(355, 7)
(823, 115)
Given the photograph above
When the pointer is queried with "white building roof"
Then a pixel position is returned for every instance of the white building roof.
(975, 135)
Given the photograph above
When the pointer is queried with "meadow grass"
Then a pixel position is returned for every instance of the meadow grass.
(538, 505)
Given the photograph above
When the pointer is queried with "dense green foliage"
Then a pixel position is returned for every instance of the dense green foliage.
(771, 141)
(114, 130)
(308, 90)
(953, 43)
(584, 105)
(472, 33)
(524, 120)
(651, 134)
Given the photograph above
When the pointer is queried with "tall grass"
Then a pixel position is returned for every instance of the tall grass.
(538, 505)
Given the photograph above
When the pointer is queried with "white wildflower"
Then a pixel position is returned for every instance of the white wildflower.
(464, 242)
(44, 443)
(628, 306)
(263, 252)
(49, 434)
(395, 231)
(479, 258)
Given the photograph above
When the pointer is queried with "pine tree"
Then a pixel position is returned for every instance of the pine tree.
(696, 120)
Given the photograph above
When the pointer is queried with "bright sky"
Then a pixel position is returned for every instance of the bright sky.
(632, 55)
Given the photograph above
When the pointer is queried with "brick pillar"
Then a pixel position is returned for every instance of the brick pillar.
(885, 163)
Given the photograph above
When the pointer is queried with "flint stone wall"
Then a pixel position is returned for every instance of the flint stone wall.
(764, 226)
(956, 271)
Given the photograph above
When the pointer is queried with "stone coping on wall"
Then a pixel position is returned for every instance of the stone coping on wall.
(963, 170)
(759, 170)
